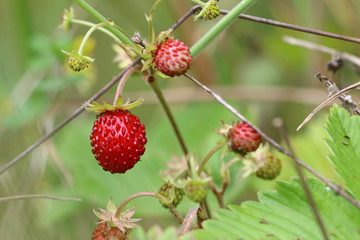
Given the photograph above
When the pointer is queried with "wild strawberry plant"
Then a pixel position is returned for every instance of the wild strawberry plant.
(304, 208)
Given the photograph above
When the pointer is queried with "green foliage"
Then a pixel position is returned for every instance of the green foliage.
(155, 233)
(344, 142)
(285, 214)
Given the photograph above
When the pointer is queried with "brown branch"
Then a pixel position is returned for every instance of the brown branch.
(333, 186)
(295, 27)
(323, 104)
(22, 197)
(313, 46)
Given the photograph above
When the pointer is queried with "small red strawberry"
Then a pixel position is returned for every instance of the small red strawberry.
(172, 57)
(112, 225)
(103, 232)
(243, 138)
(118, 137)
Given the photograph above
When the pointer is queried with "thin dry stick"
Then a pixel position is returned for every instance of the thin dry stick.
(69, 119)
(313, 46)
(323, 104)
(22, 197)
(188, 222)
(295, 27)
(305, 185)
(333, 186)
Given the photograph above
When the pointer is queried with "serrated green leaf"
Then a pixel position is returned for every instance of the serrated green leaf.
(285, 214)
(344, 142)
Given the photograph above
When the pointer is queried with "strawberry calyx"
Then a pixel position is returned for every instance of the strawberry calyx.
(124, 221)
(119, 105)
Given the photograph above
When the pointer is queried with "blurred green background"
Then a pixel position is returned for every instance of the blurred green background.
(248, 64)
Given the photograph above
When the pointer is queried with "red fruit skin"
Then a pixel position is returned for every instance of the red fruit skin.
(118, 140)
(243, 138)
(102, 232)
(172, 57)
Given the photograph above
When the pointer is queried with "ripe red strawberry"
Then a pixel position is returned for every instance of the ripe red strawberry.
(118, 140)
(242, 138)
(172, 57)
(102, 232)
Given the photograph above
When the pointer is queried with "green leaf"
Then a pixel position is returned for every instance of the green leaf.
(285, 214)
(344, 142)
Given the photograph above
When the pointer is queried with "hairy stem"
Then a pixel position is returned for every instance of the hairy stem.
(132, 197)
(121, 84)
(90, 24)
(87, 35)
(207, 157)
(220, 26)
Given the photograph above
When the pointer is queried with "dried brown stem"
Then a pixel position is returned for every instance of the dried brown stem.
(295, 27)
(22, 197)
(323, 104)
(313, 46)
(333, 186)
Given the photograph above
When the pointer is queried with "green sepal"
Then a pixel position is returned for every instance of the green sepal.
(163, 200)
(160, 74)
(147, 64)
(134, 48)
(111, 206)
(100, 108)
(133, 104)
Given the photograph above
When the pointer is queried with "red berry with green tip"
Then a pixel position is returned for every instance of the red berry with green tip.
(172, 57)
(243, 138)
(118, 140)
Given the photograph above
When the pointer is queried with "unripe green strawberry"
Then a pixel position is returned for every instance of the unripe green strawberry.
(171, 192)
(196, 189)
(271, 167)
(78, 62)
(210, 11)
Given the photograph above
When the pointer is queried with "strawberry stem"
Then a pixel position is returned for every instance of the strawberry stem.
(90, 24)
(121, 84)
(208, 156)
(87, 35)
(172, 209)
(132, 197)
(153, 83)
(201, 3)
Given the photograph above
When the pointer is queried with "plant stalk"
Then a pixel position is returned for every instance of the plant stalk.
(207, 157)
(89, 9)
(220, 26)
(159, 94)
